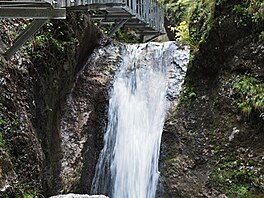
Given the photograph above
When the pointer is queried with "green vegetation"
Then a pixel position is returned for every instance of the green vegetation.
(31, 194)
(261, 37)
(251, 95)
(52, 36)
(127, 36)
(251, 9)
(187, 95)
(235, 177)
(3, 143)
(193, 19)
(7, 126)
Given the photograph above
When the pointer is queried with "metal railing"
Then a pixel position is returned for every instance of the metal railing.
(148, 11)
(147, 16)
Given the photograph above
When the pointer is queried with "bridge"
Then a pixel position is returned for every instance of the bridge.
(144, 16)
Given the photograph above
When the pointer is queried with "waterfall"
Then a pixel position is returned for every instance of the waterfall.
(150, 75)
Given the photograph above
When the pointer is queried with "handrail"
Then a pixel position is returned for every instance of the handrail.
(145, 15)
(148, 11)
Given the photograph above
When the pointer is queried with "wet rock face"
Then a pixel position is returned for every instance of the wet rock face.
(83, 119)
(55, 72)
(206, 137)
(7, 174)
(32, 96)
(24, 161)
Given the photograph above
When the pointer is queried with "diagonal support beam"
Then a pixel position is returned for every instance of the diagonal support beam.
(24, 36)
(117, 27)
(150, 38)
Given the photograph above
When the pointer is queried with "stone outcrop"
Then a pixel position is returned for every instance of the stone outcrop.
(33, 93)
(83, 119)
(210, 149)
(52, 95)
(8, 176)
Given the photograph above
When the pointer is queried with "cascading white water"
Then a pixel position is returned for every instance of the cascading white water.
(128, 164)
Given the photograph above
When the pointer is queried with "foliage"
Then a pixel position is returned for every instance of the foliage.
(235, 177)
(53, 36)
(3, 143)
(8, 124)
(261, 37)
(29, 192)
(251, 95)
(31, 195)
(253, 9)
(193, 20)
(126, 35)
(187, 94)
(181, 31)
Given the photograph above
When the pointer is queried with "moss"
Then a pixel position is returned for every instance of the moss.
(261, 38)
(252, 9)
(29, 192)
(3, 124)
(250, 95)
(187, 95)
(192, 20)
(235, 177)
(20, 159)
(54, 36)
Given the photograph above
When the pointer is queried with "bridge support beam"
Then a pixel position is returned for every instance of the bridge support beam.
(150, 38)
(32, 12)
(24, 36)
(117, 27)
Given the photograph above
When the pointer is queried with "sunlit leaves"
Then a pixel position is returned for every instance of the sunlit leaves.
(251, 93)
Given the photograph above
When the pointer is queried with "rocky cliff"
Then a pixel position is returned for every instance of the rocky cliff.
(213, 140)
(34, 86)
(212, 145)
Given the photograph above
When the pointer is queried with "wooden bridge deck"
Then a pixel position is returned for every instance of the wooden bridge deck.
(145, 16)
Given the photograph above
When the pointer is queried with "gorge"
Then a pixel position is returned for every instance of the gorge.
(55, 96)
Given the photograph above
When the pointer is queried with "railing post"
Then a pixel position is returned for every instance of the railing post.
(142, 7)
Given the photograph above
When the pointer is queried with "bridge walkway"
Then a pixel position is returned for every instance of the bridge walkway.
(146, 17)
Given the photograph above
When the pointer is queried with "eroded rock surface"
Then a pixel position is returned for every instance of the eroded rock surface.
(33, 88)
(8, 176)
(210, 149)
(83, 119)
